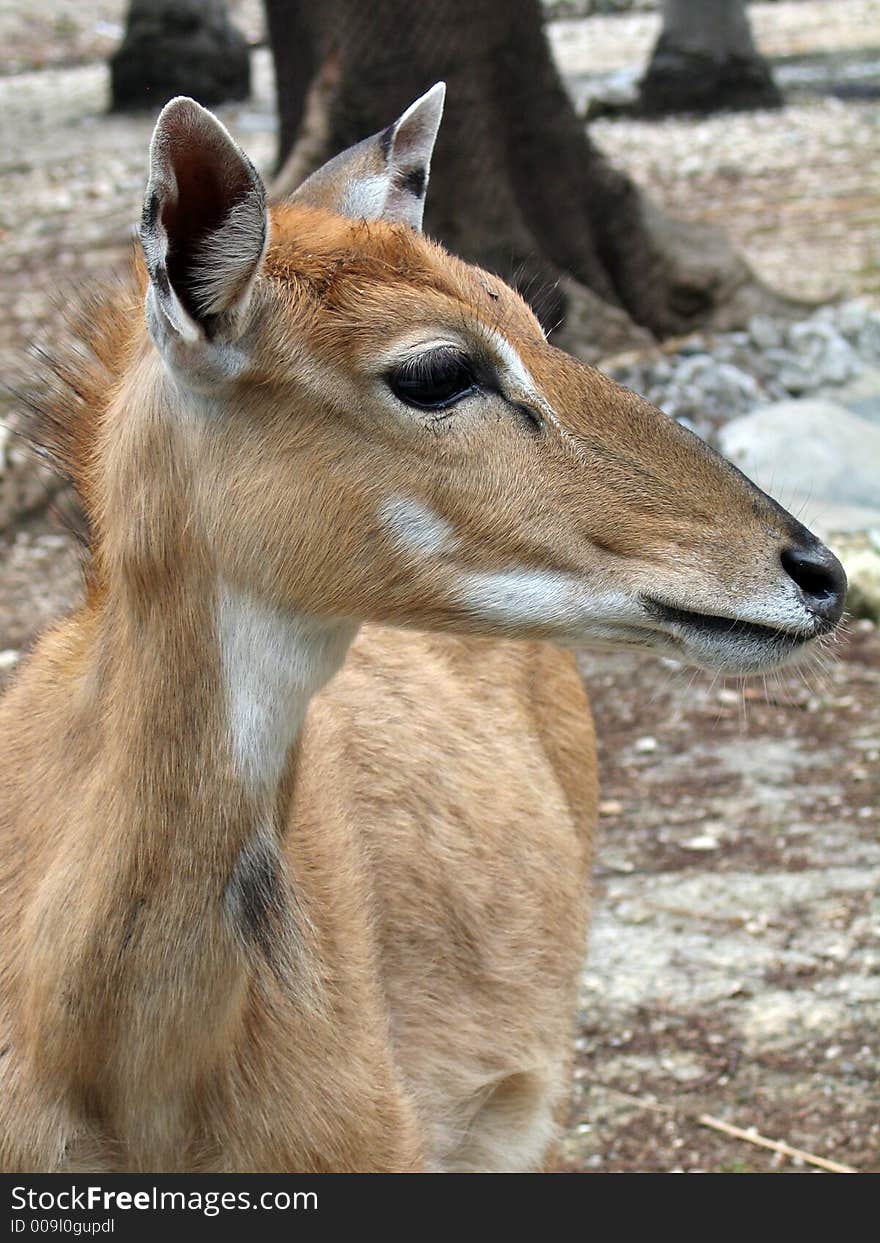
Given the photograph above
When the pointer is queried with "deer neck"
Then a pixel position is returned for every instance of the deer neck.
(206, 688)
(272, 663)
(204, 670)
(171, 891)
(204, 701)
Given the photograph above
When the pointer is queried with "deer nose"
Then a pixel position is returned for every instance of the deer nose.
(819, 577)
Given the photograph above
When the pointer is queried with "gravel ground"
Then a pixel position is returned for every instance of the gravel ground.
(803, 203)
(798, 191)
(48, 33)
(704, 381)
(734, 969)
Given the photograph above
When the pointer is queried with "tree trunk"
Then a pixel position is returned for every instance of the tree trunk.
(516, 184)
(295, 37)
(705, 59)
(178, 47)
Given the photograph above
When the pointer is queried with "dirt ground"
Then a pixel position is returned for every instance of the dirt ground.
(734, 966)
(734, 960)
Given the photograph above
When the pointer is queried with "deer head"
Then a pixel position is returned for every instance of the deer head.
(378, 431)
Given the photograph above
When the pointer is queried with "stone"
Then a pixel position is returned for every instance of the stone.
(704, 387)
(850, 317)
(859, 552)
(805, 336)
(866, 408)
(704, 841)
(839, 362)
(796, 378)
(764, 332)
(830, 518)
(823, 351)
(861, 395)
(736, 386)
(811, 447)
(869, 339)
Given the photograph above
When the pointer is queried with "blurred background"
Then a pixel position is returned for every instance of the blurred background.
(688, 192)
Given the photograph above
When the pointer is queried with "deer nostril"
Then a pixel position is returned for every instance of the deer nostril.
(819, 577)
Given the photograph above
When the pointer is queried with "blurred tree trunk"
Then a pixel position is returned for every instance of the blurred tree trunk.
(296, 38)
(705, 59)
(516, 183)
(178, 47)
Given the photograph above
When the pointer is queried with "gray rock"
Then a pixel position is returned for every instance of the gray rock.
(839, 363)
(813, 447)
(776, 357)
(796, 378)
(811, 336)
(703, 385)
(736, 386)
(860, 555)
(861, 395)
(831, 520)
(869, 339)
(712, 379)
(823, 352)
(850, 318)
(866, 407)
(764, 332)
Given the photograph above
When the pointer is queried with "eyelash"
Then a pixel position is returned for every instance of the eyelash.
(435, 380)
(419, 382)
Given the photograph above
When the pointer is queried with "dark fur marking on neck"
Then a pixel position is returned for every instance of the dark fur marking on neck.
(255, 897)
(130, 924)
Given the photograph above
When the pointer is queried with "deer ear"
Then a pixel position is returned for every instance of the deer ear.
(384, 177)
(204, 224)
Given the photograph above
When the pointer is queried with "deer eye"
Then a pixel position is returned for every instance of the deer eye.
(433, 380)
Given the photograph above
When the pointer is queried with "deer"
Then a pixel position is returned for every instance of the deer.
(297, 808)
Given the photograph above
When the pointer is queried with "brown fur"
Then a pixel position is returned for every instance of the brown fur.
(372, 966)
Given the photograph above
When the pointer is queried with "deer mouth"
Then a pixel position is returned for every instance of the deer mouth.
(717, 626)
(718, 642)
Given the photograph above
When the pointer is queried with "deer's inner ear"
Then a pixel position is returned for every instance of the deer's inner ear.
(204, 224)
(384, 177)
